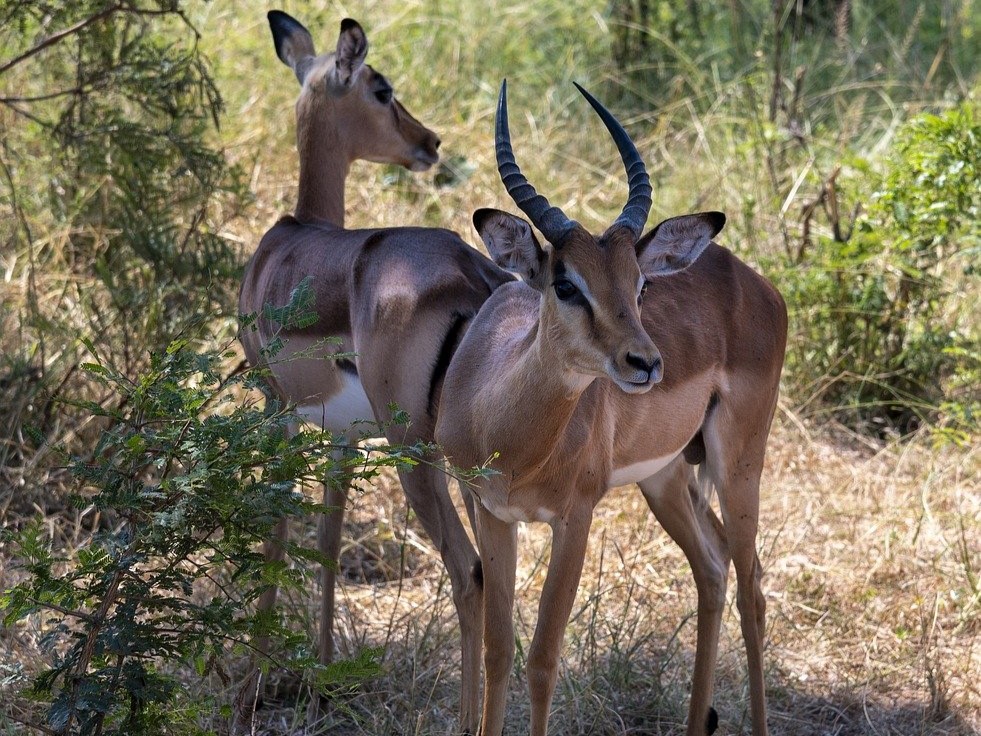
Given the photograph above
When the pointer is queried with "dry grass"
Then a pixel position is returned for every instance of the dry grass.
(871, 558)
(871, 561)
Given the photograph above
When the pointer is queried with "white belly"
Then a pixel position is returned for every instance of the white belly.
(495, 496)
(343, 410)
(639, 471)
(512, 514)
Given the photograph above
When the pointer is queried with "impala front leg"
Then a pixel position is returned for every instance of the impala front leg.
(569, 536)
(498, 545)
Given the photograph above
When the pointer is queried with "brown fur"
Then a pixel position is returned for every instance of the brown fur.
(389, 294)
(523, 384)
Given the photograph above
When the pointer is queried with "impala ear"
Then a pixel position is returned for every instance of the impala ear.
(677, 243)
(352, 48)
(512, 245)
(294, 45)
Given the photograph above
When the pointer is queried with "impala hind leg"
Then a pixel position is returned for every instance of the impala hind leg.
(688, 519)
(398, 381)
(273, 550)
(250, 691)
(735, 441)
(741, 512)
(330, 527)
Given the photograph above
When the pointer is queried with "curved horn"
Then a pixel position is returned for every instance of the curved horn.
(635, 211)
(551, 221)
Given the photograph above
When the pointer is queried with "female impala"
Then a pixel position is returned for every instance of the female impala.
(400, 298)
(581, 382)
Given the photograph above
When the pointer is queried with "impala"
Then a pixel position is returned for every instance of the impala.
(620, 358)
(399, 298)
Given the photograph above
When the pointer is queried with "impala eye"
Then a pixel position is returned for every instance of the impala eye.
(565, 289)
(640, 296)
(384, 95)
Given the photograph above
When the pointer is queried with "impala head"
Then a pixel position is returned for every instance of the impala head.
(593, 286)
(345, 99)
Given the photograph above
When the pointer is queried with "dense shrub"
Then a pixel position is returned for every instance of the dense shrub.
(869, 232)
(113, 196)
(187, 480)
(135, 480)
(884, 327)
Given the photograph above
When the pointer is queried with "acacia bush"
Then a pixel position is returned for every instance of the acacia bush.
(188, 479)
(137, 477)
(113, 198)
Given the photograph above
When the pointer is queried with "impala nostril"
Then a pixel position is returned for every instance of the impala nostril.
(642, 364)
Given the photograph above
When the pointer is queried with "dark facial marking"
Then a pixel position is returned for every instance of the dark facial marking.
(568, 292)
(381, 88)
(565, 289)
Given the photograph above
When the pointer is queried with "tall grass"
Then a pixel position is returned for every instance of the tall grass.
(783, 120)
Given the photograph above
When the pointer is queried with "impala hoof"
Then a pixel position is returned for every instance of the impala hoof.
(712, 722)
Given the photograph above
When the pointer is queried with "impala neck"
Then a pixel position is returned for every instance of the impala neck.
(324, 166)
(524, 433)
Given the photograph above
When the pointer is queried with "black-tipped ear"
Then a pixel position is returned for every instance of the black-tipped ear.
(717, 221)
(352, 48)
(676, 243)
(294, 44)
(481, 216)
(350, 23)
(512, 244)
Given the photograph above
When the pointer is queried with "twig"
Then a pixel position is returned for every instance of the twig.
(30, 724)
(56, 37)
(775, 96)
(88, 651)
(828, 192)
(48, 96)
(32, 267)
(62, 610)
